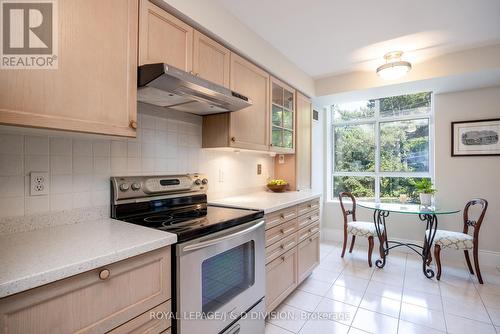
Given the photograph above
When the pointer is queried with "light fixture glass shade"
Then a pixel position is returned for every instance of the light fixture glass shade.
(394, 67)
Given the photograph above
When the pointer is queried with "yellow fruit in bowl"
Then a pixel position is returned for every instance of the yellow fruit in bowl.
(277, 182)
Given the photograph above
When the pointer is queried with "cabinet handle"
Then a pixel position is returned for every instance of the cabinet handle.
(104, 274)
(283, 258)
(282, 231)
(191, 72)
(282, 216)
(233, 139)
(133, 124)
(282, 246)
(270, 145)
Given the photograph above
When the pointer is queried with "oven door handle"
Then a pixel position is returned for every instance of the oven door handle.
(214, 241)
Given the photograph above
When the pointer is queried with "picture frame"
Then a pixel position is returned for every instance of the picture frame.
(475, 138)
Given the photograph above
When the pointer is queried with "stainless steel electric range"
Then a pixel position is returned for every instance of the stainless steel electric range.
(218, 264)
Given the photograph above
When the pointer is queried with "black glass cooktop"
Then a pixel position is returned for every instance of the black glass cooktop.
(195, 222)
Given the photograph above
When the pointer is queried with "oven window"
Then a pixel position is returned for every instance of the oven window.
(226, 275)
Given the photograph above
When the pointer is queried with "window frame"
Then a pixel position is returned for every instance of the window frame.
(376, 120)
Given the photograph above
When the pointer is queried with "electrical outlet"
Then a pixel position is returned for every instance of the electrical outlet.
(39, 184)
(281, 159)
(259, 169)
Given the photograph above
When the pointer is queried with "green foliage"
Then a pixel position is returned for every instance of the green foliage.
(425, 186)
(399, 105)
(404, 146)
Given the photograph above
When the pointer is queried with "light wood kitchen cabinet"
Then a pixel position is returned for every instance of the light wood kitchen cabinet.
(163, 38)
(296, 168)
(96, 301)
(292, 249)
(246, 128)
(95, 85)
(281, 278)
(282, 130)
(211, 60)
(308, 256)
(303, 149)
(145, 323)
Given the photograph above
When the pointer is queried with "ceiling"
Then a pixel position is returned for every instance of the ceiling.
(327, 37)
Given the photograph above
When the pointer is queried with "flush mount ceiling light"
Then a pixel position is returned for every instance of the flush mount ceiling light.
(394, 67)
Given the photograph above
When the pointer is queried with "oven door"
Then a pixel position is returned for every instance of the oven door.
(219, 276)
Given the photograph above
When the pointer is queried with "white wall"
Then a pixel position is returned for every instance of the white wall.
(458, 179)
(80, 165)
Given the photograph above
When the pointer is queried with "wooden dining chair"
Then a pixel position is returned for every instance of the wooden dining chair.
(355, 227)
(462, 240)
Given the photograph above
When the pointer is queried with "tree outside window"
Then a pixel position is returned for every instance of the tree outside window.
(382, 146)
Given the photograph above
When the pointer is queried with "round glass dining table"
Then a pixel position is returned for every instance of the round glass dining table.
(426, 214)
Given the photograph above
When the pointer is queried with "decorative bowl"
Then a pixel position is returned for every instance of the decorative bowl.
(277, 188)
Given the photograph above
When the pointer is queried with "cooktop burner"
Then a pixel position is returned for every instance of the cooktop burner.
(177, 204)
(215, 219)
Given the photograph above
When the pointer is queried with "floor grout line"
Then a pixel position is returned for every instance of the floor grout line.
(402, 292)
(348, 268)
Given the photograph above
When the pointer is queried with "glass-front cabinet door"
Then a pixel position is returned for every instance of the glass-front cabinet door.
(282, 117)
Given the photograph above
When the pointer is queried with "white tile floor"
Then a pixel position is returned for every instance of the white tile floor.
(346, 296)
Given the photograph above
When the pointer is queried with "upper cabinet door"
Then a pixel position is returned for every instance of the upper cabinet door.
(249, 127)
(164, 38)
(303, 156)
(210, 60)
(282, 117)
(95, 85)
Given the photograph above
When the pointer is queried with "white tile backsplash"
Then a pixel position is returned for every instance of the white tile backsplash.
(79, 166)
(36, 145)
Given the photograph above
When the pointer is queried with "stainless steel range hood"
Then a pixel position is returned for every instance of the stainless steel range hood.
(167, 86)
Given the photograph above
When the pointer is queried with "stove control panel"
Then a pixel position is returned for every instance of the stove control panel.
(132, 187)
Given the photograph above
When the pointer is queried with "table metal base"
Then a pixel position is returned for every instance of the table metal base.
(431, 221)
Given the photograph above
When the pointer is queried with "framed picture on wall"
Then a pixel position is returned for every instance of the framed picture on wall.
(475, 138)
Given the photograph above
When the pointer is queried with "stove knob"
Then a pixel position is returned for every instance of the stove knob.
(136, 186)
(197, 182)
(124, 186)
(204, 181)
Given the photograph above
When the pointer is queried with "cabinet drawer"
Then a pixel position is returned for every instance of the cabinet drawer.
(279, 232)
(306, 207)
(145, 323)
(281, 278)
(308, 218)
(308, 256)
(277, 249)
(86, 303)
(308, 231)
(278, 217)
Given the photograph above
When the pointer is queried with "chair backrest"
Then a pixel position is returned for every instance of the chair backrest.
(347, 212)
(474, 223)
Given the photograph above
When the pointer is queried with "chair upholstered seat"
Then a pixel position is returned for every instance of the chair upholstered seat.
(362, 229)
(454, 240)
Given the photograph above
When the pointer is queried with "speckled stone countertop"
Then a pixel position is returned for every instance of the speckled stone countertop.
(267, 200)
(34, 258)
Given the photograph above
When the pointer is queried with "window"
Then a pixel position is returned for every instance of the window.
(382, 146)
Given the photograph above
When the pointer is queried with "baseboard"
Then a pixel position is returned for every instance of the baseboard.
(486, 257)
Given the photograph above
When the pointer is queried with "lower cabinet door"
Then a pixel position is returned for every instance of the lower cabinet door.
(308, 256)
(96, 301)
(281, 278)
(154, 321)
